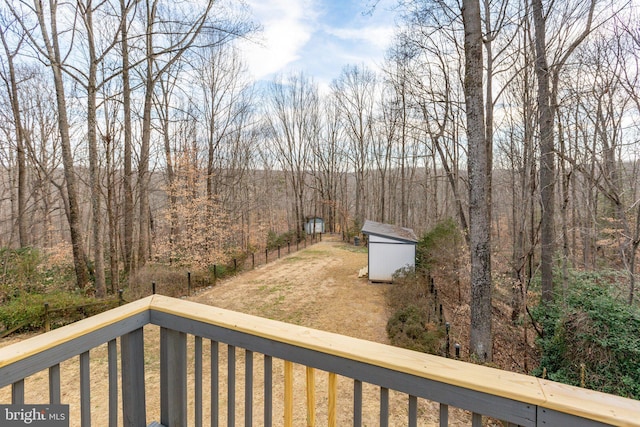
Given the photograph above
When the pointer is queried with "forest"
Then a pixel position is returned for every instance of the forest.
(132, 134)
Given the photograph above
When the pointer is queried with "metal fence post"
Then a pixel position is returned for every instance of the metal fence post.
(447, 327)
(47, 322)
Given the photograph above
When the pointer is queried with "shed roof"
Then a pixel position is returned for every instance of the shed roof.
(389, 230)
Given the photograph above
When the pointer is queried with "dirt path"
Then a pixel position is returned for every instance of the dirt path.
(317, 287)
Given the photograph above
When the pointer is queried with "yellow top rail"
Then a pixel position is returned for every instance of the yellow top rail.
(576, 401)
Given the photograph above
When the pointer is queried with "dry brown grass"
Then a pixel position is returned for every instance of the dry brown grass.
(317, 287)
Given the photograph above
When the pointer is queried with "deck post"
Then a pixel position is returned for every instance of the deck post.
(85, 390)
(54, 384)
(17, 393)
(112, 360)
(173, 378)
(133, 396)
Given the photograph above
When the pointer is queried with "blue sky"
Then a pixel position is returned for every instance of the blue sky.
(318, 37)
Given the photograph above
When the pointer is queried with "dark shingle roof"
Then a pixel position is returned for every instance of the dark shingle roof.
(389, 230)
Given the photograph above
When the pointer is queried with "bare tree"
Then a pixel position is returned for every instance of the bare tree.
(602, 99)
(355, 93)
(42, 151)
(396, 124)
(387, 130)
(516, 147)
(224, 112)
(330, 164)
(127, 179)
(159, 56)
(548, 76)
(294, 125)
(48, 45)
(435, 83)
(630, 82)
(10, 79)
(89, 79)
(478, 164)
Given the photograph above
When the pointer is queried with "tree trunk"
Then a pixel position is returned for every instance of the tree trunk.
(166, 137)
(478, 164)
(563, 212)
(82, 274)
(12, 90)
(488, 44)
(128, 216)
(94, 176)
(547, 156)
(112, 213)
(54, 57)
(143, 165)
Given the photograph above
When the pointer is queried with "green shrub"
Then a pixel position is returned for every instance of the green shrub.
(27, 309)
(275, 240)
(409, 328)
(354, 229)
(29, 270)
(590, 327)
(413, 324)
(20, 267)
(409, 288)
(438, 245)
(221, 271)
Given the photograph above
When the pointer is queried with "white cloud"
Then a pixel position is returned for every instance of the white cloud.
(318, 37)
(287, 27)
(377, 36)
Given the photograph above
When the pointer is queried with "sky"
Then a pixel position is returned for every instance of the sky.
(318, 37)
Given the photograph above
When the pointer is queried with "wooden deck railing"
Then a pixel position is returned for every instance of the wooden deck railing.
(485, 392)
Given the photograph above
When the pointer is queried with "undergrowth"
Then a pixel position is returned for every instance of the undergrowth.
(591, 337)
(275, 240)
(27, 310)
(32, 277)
(413, 324)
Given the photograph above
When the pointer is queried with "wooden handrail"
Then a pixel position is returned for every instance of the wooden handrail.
(577, 401)
(530, 390)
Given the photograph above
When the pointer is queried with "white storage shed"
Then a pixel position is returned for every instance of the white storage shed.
(390, 248)
(314, 225)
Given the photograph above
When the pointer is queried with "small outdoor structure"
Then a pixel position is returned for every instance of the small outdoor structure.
(314, 225)
(390, 248)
